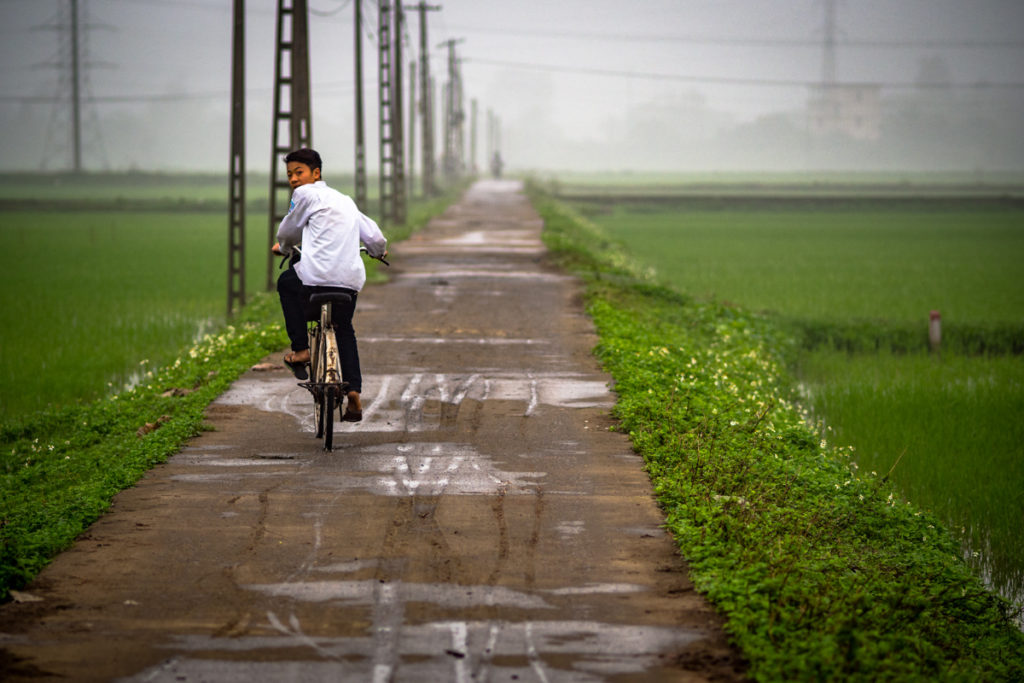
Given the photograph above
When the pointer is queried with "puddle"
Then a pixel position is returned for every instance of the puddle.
(580, 651)
(489, 274)
(411, 469)
(368, 593)
(426, 469)
(598, 589)
(568, 528)
(396, 403)
(478, 341)
(235, 462)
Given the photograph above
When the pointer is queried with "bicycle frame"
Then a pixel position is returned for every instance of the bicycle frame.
(325, 382)
(327, 358)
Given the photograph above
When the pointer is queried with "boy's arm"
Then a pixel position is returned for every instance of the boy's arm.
(289, 232)
(371, 236)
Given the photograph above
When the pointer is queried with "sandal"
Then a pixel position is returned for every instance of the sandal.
(353, 414)
(298, 368)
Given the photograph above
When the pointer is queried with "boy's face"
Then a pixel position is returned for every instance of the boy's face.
(300, 174)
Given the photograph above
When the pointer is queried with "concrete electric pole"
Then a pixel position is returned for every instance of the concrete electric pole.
(426, 105)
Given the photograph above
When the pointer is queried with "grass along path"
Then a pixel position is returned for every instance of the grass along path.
(822, 572)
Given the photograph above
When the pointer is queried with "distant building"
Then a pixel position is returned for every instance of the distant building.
(853, 110)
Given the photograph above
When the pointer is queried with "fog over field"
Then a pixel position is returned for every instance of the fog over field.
(689, 85)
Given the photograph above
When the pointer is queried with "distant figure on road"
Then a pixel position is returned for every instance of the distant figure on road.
(327, 228)
(496, 165)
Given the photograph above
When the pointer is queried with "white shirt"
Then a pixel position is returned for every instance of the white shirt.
(329, 228)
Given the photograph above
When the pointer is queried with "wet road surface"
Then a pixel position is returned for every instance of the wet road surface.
(480, 524)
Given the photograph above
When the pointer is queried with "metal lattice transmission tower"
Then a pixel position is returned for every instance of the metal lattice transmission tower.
(828, 61)
(291, 85)
(236, 174)
(385, 112)
(76, 92)
(73, 66)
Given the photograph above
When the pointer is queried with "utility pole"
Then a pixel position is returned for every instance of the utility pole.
(493, 142)
(453, 115)
(430, 131)
(76, 93)
(490, 135)
(426, 112)
(472, 138)
(460, 121)
(360, 179)
(398, 130)
(292, 39)
(410, 176)
(236, 174)
(386, 111)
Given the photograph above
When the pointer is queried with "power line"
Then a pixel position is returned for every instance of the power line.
(329, 13)
(743, 41)
(164, 97)
(219, 7)
(554, 68)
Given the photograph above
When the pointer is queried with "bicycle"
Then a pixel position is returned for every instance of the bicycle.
(325, 382)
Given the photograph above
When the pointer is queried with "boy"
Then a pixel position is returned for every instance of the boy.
(327, 227)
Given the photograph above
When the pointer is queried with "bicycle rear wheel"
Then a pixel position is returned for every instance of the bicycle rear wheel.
(318, 413)
(327, 418)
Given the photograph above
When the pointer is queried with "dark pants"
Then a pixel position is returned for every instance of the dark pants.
(295, 305)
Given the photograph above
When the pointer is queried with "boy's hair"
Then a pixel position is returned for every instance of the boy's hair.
(306, 156)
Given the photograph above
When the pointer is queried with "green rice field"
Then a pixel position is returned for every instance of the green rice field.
(945, 428)
(894, 264)
(91, 299)
(947, 432)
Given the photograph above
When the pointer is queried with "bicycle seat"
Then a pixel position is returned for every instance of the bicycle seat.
(330, 298)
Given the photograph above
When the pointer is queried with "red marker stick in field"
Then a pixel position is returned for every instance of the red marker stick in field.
(935, 330)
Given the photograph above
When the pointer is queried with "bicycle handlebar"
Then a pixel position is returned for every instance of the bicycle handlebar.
(363, 250)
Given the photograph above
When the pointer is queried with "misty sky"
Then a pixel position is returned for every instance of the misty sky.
(157, 78)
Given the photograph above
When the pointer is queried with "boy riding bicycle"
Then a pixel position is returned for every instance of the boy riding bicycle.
(327, 227)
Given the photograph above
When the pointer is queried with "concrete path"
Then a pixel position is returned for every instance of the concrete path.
(480, 524)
